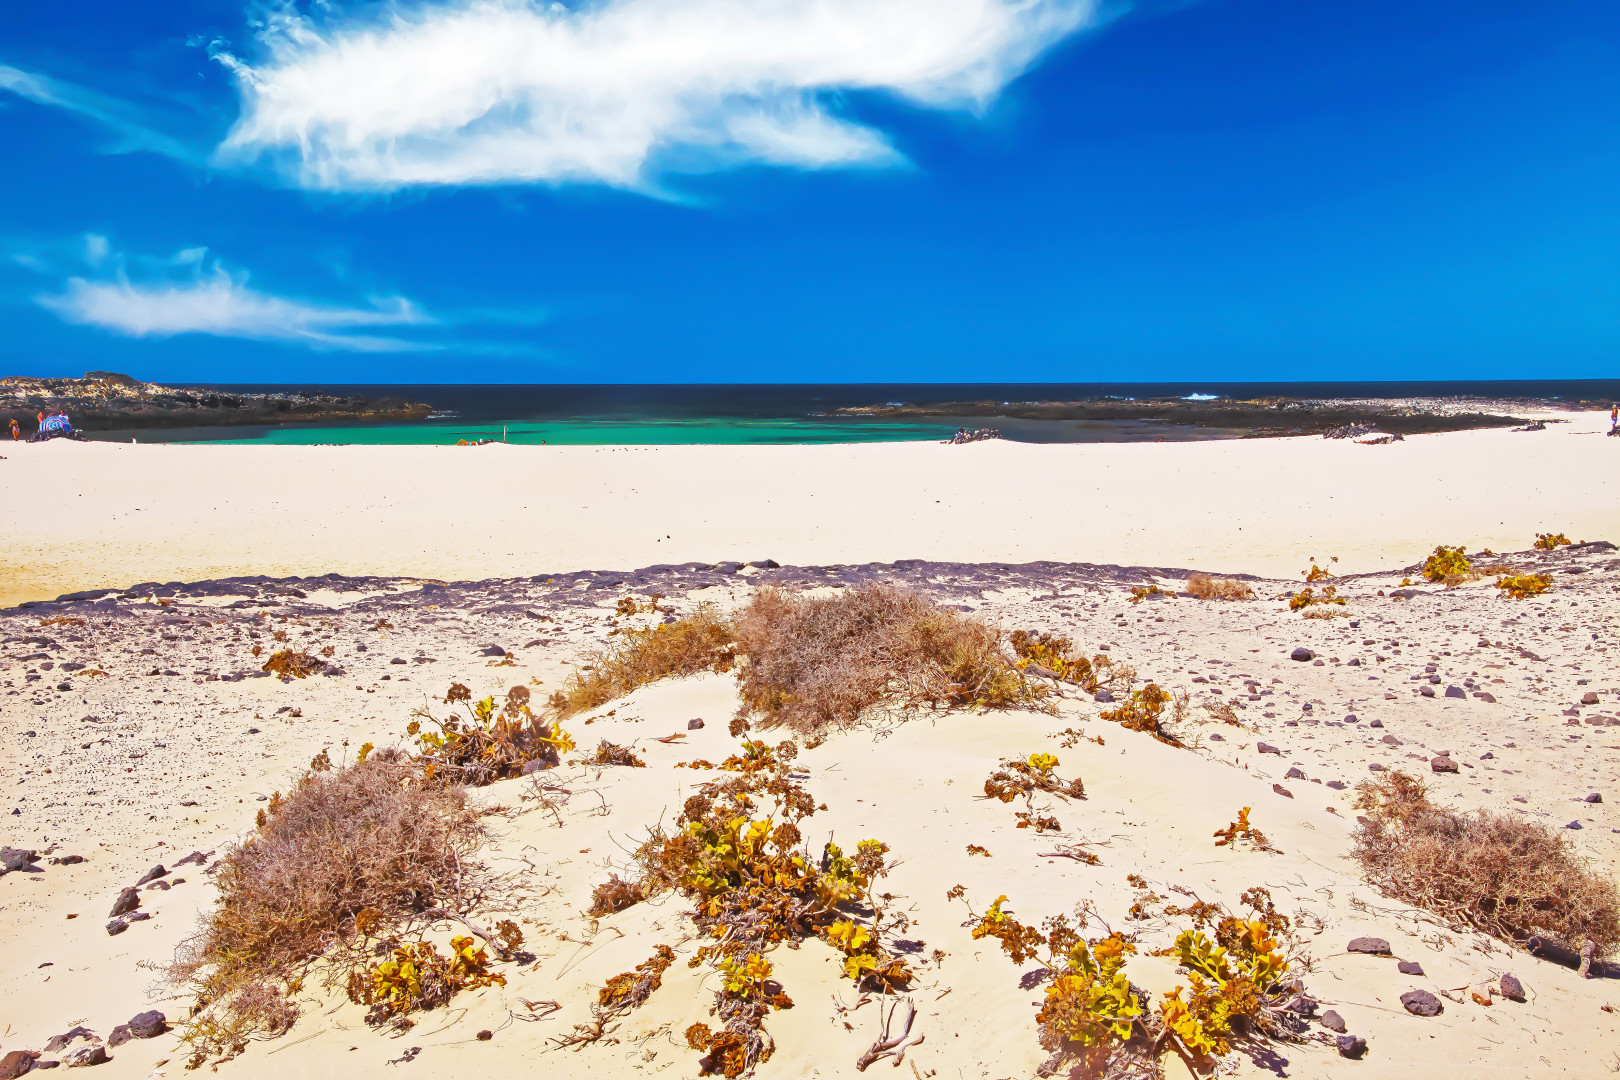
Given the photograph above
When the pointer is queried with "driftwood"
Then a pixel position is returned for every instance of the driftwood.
(892, 1045)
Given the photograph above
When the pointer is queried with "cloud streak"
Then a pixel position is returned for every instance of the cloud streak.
(191, 294)
(468, 92)
(133, 134)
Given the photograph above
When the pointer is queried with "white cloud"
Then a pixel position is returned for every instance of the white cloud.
(209, 299)
(518, 91)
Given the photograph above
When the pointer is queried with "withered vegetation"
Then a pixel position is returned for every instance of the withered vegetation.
(292, 664)
(1207, 587)
(1509, 877)
(484, 742)
(819, 662)
(351, 850)
(701, 642)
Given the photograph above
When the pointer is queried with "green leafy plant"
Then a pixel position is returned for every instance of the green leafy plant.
(419, 977)
(1522, 586)
(1143, 711)
(1242, 829)
(1449, 565)
(483, 743)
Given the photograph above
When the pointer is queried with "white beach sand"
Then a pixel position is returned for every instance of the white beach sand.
(160, 757)
(91, 515)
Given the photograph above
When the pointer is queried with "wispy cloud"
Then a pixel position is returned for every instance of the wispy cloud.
(613, 92)
(191, 293)
(124, 120)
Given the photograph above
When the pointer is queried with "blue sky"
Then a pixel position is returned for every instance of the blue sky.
(811, 190)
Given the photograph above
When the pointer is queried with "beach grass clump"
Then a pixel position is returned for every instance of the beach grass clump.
(700, 642)
(1509, 877)
(485, 742)
(819, 662)
(1523, 586)
(1448, 565)
(1207, 587)
(352, 851)
(1549, 541)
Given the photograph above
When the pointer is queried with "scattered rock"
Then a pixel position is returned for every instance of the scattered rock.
(1103, 696)
(1302, 654)
(1512, 988)
(85, 1056)
(1573, 825)
(1428, 691)
(116, 927)
(1284, 792)
(1294, 773)
(1374, 766)
(68, 1038)
(1336, 785)
(1421, 1003)
(151, 875)
(1589, 698)
(1487, 698)
(1594, 798)
(492, 650)
(695, 724)
(195, 857)
(485, 1035)
(399, 660)
(765, 564)
(17, 858)
(1351, 1046)
(1390, 740)
(1333, 1021)
(1376, 723)
(1267, 748)
(1375, 946)
(1456, 691)
(128, 900)
(120, 1035)
(1442, 765)
(148, 1025)
(67, 860)
(1487, 756)
(1350, 718)
(15, 1063)
(1410, 967)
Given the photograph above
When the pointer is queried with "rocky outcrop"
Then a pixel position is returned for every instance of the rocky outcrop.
(108, 401)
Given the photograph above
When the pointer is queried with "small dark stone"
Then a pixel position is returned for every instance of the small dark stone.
(1336, 785)
(1376, 946)
(1351, 1046)
(15, 1063)
(86, 1055)
(765, 564)
(1421, 1003)
(1103, 696)
(1573, 825)
(128, 900)
(1512, 988)
(17, 858)
(1350, 718)
(1376, 723)
(1284, 792)
(492, 650)
(1456, 691)
(1427, 691)
(116, 927)
(148, 1025)
(61, 1042)
(1410, 967)
(1487, 756)
(1375, 767)
(1487, 698)
(1594, 797)
(1333, 1021)
(1302, 654)
(195, 857)
(68, 860)
(485, 1035)
(1390, 740)
(1294, 773)
(120, 1035)
(1442, 764)
(1267, 748)
(152, 875)
(1589, 698)
(399, 660)
(694, 724)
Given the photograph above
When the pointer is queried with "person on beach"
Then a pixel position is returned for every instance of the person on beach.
(16, 432)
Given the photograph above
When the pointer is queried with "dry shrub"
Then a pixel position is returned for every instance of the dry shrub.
(820, 662)
(1326, 613)
(615, 894)
(1521, 586)
(1449, 565)
(1511, 878)
(609, 753)
(1549, 541)
(698, 643)
(1205, 587)
(365, 836)
(290, 664)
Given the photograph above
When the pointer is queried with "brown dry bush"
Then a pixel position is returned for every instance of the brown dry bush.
(290, 664)
(1511, 878)
(821, 662)
(698, 643)
(1205, 587)
(485, 742)
(366, 836)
